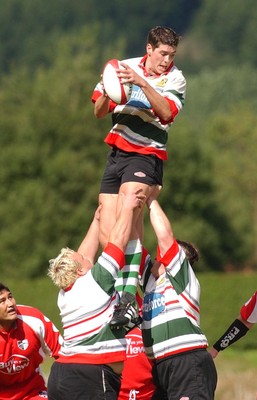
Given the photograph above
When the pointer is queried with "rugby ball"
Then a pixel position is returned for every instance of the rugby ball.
(118, 92)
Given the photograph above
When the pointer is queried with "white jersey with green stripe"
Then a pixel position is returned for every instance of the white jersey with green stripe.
(86, 309)
(171, 313)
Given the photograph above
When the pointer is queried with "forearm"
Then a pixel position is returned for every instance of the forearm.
(236, 331)
(161, 226)
(90, 244)
(102, 106)
(159, 104)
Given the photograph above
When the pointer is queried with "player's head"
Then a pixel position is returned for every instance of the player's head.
(162, 35)
(8, 310)
(3, 288)
(192, 253)
(67, 267)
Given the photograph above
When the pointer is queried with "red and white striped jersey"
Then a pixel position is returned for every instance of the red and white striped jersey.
(22, 350)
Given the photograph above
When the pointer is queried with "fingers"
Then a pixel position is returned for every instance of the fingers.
(154, 195)
(98, 211)
(141, 200)
(141, 197)
(126, 74)
(134, 199)
(124, 65)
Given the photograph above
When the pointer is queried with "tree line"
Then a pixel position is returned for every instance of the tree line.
(53, 155)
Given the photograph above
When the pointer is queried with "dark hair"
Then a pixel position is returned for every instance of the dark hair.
(162, 35)
(192, 253)
(3, 287)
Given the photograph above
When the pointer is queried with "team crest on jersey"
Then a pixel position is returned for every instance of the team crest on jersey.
(162, 82)
(23, 344)
(161, 281)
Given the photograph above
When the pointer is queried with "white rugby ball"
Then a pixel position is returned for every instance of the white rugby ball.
(118, 92)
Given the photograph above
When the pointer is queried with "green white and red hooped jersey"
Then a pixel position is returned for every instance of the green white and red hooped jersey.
(249, 310)
(22, 350)
(136, 126)
(171, 312)
(87, 307)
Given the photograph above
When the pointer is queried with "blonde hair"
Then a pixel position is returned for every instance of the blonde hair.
(63, 269)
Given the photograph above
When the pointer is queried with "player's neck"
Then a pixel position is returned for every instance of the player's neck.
(7, 326)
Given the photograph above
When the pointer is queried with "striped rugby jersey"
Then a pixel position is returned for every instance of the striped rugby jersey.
(136, 127)
(86, 308)
(171, 313)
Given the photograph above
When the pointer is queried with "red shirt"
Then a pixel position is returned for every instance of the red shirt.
(136, 382)
(22, 350)
(249, 309)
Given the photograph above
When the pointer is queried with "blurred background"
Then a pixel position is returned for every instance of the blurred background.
(52, 153)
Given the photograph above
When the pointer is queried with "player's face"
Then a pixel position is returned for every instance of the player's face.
(83, 262)
(160, 58)
(8, 311)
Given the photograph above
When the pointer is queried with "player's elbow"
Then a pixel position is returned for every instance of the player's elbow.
(99, 114)
(168, 116)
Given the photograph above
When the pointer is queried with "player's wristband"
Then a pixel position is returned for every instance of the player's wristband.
(236, 330)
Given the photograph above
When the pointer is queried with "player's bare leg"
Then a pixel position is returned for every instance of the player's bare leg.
(108, 204)
(127, 310)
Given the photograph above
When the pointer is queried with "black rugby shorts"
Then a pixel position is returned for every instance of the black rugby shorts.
(82, 382)
(125, 166)
(190, 375)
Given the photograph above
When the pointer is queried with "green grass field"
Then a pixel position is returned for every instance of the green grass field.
(221, 298)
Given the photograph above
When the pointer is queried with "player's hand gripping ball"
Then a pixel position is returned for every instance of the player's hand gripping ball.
(118, 92)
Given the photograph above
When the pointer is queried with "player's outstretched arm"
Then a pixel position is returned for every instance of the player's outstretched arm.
(90, 244)
(160, 224)
(236, 331)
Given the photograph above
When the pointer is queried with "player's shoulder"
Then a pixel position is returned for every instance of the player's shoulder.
(175, 72)
(29, 311)
(132, 62)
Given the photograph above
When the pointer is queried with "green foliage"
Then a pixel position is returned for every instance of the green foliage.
(235, 140)
(29, 29)
(52, 153)
(209, 186)
(222, 296)
(216, 92)
(52, 157)
(222, 33)
(212, 169)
